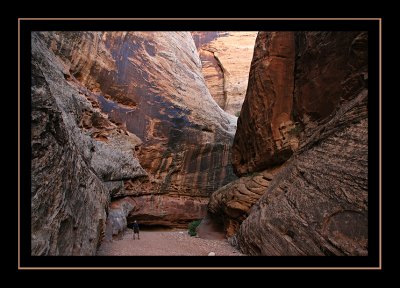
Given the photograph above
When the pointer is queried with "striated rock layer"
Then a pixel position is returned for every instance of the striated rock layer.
(266, 131)
(71, 161)
(150, 87)
(318, 203)
(297, 80)
(230, 204)
(226, 59)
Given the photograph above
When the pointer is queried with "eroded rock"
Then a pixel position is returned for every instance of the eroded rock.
(267, 134)
(69, 199)
(317, 204)
(226, 59)
(150, 88)
(230, 204)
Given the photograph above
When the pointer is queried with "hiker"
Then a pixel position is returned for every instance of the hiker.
(135, 230)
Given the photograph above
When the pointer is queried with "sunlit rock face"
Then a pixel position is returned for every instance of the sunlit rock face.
(148, 89)
(226, 59)
(266, 126)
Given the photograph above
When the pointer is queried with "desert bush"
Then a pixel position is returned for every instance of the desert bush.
(192, 227)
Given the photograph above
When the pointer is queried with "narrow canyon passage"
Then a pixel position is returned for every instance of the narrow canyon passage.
(138, 133)
(261, 136)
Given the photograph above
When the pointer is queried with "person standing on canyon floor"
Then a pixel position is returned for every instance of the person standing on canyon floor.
(135, 230)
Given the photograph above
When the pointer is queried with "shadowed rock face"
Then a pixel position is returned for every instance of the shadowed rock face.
(297, 80)
(318, 203)
(230, 204)
(226, 59)
(62, 224)
(178, 210)
(149, 86)
(71, 161)
(331, 68)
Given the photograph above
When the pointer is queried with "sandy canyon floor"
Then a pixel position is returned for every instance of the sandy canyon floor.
(165, 243)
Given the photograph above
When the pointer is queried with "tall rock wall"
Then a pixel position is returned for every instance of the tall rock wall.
(306, 107)
(265, 136)
(297, 80)
(150, 87)
(76, 151)
(318, 204)
(226, 59)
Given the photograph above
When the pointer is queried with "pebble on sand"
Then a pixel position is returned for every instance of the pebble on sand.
(211, 254)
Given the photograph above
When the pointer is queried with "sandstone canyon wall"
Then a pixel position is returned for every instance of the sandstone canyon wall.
(226, 59)
(131, 131)
(305, 108)
(71, 162)
(266, 124)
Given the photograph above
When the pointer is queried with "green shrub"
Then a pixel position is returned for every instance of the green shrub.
(192, 227)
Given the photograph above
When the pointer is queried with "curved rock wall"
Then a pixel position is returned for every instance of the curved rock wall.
(231, 204)
(297, 80)
(318, 203)
(226, 59)
(265, 135)
(149, 99)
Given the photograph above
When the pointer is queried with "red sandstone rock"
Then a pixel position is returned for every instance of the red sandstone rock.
(317, 204)
(226, 59)
(184, 133)
(266, 134)
(145, 95)
(230, 204)
(161, 209)
(328, 72)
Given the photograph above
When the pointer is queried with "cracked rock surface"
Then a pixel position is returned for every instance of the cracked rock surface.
(306, 107)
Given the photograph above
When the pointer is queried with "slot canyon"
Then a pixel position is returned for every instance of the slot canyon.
(263, 136)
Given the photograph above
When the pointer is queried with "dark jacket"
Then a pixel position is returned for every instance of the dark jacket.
(135, 227)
